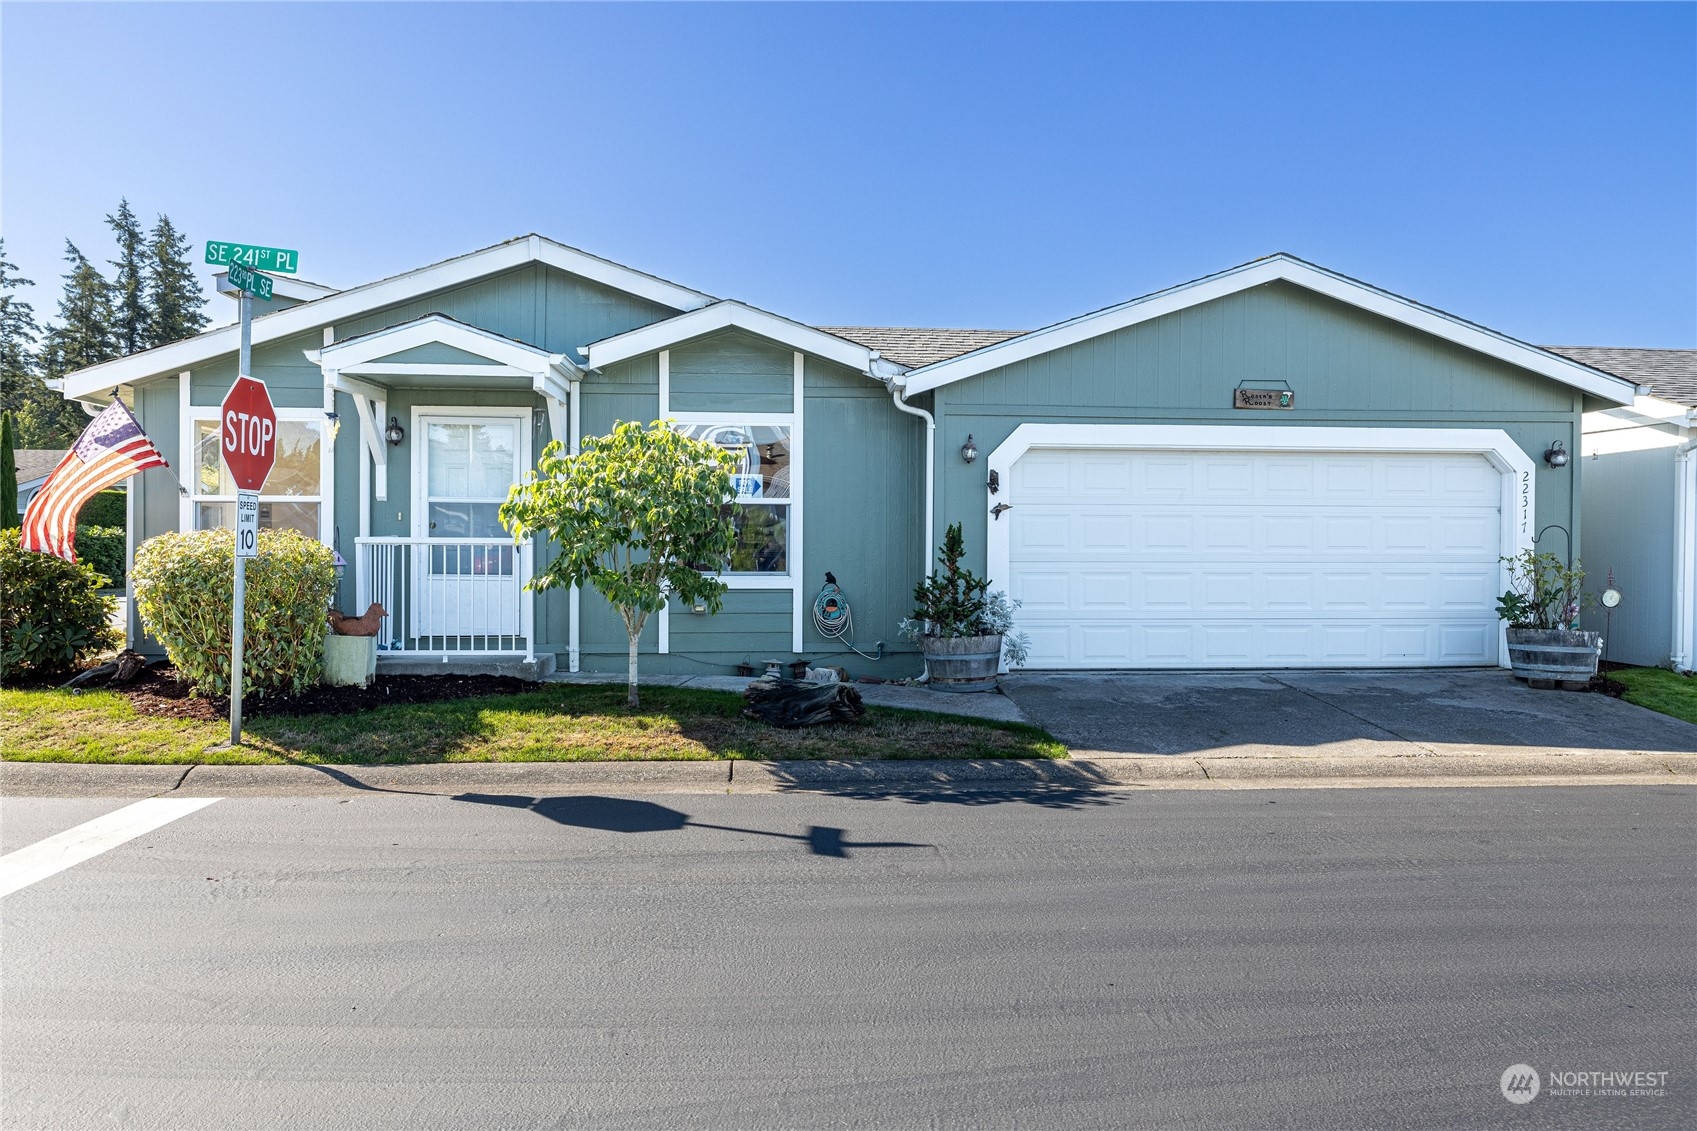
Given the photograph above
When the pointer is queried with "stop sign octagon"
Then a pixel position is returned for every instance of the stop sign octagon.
(249, 434)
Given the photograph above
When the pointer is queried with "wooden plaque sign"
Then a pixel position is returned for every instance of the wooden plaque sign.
(1263, 398)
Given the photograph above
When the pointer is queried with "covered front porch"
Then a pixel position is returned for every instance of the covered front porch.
(447, 418)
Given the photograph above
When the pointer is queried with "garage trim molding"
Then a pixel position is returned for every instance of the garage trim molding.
(1515, 466)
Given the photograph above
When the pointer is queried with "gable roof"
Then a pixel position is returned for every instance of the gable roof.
(1274, 268)
(914, 346)
(36, 463)
(1670, 374)
(355, 301)
(728, 314)
(365, 354)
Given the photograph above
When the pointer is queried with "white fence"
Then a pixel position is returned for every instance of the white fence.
(449, 596)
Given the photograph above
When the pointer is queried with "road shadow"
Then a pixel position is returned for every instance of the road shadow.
(1046, 784)
(629, 815)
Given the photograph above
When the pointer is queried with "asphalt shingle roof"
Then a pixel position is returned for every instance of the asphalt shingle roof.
(1671, 374)
(915, 346)
(33, 463)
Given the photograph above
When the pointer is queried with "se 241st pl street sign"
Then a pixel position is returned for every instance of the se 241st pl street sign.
(281, 260)
(249, 280)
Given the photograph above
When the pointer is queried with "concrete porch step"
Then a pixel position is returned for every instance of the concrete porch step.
(517, 667)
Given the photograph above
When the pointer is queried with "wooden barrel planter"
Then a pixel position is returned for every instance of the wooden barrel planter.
(1550, 657)
(962, 663)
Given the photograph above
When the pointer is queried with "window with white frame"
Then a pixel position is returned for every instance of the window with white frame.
(291, 497)
(761, 512)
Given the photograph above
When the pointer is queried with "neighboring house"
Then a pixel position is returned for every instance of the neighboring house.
(1273, 466)
(1640, 506)
(34, 466)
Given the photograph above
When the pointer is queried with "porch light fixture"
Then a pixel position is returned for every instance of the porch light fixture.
(969, 450)
(1556, 456)
(394, 433)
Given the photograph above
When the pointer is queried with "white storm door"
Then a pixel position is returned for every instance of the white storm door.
(464, 562)
(1243, 559)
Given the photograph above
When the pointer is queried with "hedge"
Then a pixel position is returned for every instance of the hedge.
(102, 547)
(52, 616)
(105, 509)
(183, 587)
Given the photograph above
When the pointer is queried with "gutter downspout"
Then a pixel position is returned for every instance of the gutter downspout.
(574, 434)
(1685, 557)
(930, 473)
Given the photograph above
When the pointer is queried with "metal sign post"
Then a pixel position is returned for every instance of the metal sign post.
(238, 614)
(247, 439)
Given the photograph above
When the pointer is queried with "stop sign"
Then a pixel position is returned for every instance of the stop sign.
(249, 435)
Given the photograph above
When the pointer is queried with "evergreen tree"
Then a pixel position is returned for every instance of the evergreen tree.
(131, 317)
(18, 331)
(42, 418)
(83, 336)
(8, 476)
(173, 291)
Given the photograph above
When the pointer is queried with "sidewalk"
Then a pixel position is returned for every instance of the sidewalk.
(861, 779)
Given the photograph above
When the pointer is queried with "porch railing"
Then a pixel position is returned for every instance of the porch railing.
(449, 596)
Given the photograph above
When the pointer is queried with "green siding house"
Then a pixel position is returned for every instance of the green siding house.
(1274, 466)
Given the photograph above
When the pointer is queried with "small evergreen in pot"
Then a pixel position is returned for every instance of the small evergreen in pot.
(962, 628)
(1542, 606)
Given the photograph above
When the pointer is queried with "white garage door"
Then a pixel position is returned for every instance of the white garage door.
(1169, 559)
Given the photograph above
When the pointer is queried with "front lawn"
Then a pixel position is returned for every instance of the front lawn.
(1660, 690)
(555, 723)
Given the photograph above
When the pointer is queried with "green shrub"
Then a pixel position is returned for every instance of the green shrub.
(183, 588)
(51, 612)
(105, 509)
(102, 547)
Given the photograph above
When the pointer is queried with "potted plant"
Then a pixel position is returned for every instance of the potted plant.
(1542, 606)
(962, 628)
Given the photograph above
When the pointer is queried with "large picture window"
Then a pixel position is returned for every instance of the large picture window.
(292, 493)
(761, 512)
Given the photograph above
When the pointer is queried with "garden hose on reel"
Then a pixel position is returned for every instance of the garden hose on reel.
(835, 620)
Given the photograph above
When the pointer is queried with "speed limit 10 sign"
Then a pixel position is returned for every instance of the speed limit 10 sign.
(247, 524)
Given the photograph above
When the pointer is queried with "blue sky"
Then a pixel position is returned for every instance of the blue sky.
(1532, 167)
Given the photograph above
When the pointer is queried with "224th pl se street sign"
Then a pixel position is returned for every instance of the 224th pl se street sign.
(245, 279)
(249, 433)
(277, 259)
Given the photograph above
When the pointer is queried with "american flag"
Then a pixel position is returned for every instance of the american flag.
(111, 449)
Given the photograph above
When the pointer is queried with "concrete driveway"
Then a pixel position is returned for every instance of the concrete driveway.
(1410, 712)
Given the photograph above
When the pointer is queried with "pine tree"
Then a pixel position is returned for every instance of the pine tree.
(83, 336)
(41, 417)
(173, 291)
(131, 317)
(8, 476)
(18, 331)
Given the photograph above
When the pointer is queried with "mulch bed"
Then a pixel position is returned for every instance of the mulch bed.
(159, 693)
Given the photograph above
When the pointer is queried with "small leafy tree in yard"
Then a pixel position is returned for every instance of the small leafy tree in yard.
(52, 615)
(185, 584)
(638, 514)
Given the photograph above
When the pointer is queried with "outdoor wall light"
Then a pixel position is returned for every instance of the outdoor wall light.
(1556, 456)
(394, 433)
(969, 450)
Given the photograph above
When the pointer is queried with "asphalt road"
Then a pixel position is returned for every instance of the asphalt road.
(1331, 958)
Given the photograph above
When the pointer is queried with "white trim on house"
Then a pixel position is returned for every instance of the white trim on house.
(355, 301)
(190, 466)
(1684, 650)
(360, 355)
(728, 314)
(1274, 268)
(1516, 467)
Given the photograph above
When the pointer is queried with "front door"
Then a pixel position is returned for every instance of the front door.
(465, 563)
